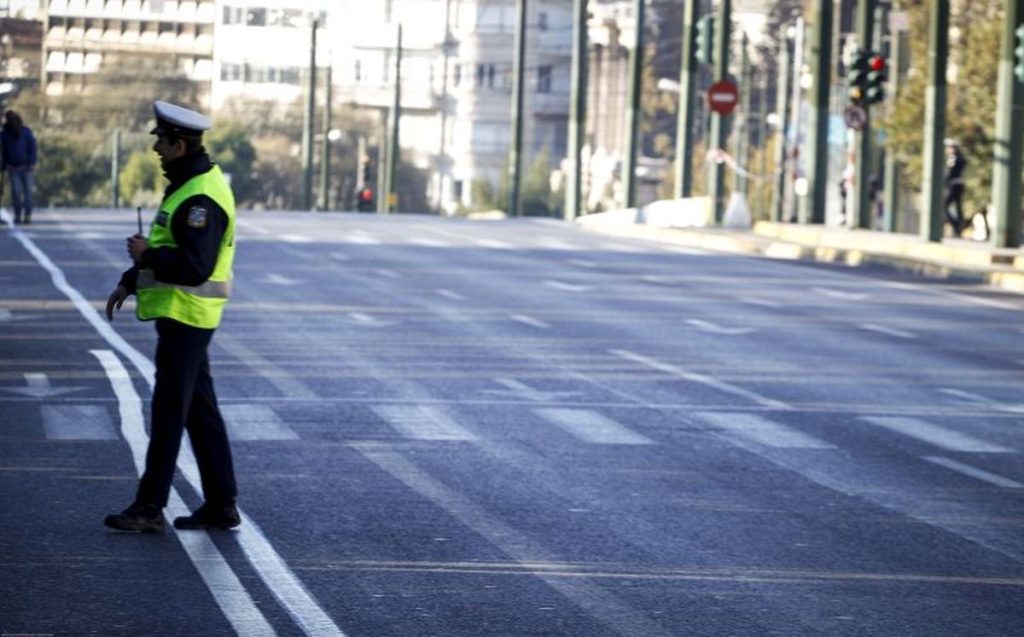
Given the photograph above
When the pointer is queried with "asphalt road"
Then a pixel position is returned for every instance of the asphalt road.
(445, 427)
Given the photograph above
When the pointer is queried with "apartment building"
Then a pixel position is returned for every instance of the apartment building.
(82, 38)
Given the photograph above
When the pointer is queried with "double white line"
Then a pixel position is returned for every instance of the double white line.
(232, 597)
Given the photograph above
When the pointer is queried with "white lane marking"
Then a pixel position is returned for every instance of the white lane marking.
(714, 328)
(296, 238)
(88, 236)
(363, 319)
(593, 427)
(1002, 305)
(659, 278)
(974, 472)
(269, 370)
(522, 390)
(594, 600)
(762, 431)
(583, 263)
(361, 239)
(37, 385)
(421, 422)
(229, 593)
(339, 256)
(278, 279)
(5, 314)
(491, 243)
(700, 378)
(933, 434)
(841, 294)
(265, 561)
(761, 302)
(77, 422)
(429, 243)
(567, 287)
(621, 247)
(256, 422)
(977, 399)
(557, 244)
(529, 320)
(388, 274)
(252, 227)
(888, 331)
(448, 294)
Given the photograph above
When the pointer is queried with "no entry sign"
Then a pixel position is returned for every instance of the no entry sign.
(723, 97)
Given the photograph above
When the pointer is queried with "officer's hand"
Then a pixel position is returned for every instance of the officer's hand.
(136, 246)
(115, 300)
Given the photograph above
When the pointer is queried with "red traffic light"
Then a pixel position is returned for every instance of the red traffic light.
(877, 63)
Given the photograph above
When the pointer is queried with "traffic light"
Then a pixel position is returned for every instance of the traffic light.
(857, 76)
(876, 79)
(1018, 54)
(705, 42)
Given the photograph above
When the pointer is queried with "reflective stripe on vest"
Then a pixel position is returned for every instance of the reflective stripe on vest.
(201, 305)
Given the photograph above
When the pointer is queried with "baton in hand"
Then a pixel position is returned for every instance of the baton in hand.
(138, 213)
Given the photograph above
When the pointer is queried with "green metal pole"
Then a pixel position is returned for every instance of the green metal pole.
(898, 63)
(390, 193)
(325, 144)
(862, 139)
(689, 76)
(115, 168)
(577, 111)
(782, 109)
(812, 206)
(719, 125)
(932, 215)
(740, 143)
(515, 157)
(636, 61)
(307, 124)
(1006, 175)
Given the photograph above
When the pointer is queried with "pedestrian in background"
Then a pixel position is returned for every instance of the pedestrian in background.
(956, 164)
(19, 160)
(182, 275)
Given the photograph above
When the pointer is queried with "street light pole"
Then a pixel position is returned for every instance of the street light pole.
(1006, 176)
(932, 215)
(325, 144)
(636, 61)
(515, 157)
(577, 111)
(689, 76)
(307, 128)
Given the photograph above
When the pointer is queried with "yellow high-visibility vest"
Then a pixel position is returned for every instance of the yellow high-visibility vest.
(201, 305)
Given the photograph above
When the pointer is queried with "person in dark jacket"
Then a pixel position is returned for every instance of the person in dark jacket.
(956, 164)
(19, 160)
(182, 276)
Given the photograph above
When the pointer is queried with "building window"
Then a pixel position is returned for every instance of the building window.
(256, 17)
(544, 79)
(456, 75)
(542, 21)
(490, 76)
(358, 71)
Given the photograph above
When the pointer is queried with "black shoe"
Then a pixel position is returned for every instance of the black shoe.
(138, 518)
(17, 220)
(210, 517)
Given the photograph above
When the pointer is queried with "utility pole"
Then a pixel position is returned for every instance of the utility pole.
(636, 62)
(1006, 184)
(862, 139)
(515, 158)
(307, 124)
(115, 168)
(899, 63)
(719, 125)
(782, 109)
(447, 48)
(812, 206)
(325, 144)
(932, 215)
(577, 111)
(741, 143)
(689, 76)
(389, 195)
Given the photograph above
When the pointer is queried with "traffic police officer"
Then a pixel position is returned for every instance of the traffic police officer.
(182, 276)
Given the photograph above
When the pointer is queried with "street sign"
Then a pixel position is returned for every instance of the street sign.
(723, 97)
(856, 117)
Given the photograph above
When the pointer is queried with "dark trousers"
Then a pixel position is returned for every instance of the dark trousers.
(21, 191)
(184, 399)
(954, 198)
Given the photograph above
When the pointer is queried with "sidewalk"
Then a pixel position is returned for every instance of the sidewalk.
(959, 259)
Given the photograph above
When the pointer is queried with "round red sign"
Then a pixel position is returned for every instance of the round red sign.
(723, 97)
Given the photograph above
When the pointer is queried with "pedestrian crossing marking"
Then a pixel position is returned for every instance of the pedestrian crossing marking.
(77, 422)
(255, 422)
(974, 472)
(593, 427)
(933, 434)
(421, 422)
(759, 429)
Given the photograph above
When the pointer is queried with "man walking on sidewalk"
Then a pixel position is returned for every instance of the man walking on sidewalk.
(956, 164)
(19, 160)
(182, 275)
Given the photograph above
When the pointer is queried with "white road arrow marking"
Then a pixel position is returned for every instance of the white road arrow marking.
(277, 279)
(840, 294)
(38, 386)
(714, 328)
(568, 287)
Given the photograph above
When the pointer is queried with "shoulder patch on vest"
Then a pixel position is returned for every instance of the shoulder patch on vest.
(197, 217)
(161, 219)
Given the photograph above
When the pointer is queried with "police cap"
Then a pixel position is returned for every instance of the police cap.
(177, 120)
